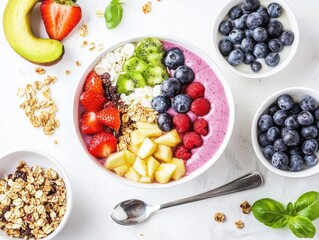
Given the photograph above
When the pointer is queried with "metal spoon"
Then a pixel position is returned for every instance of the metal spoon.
(135, 211)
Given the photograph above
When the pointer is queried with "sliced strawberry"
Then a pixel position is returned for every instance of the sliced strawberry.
(90, 124)
(102, 145)
(110, 117)
(92, 101)
(93, 83)
(60, 17)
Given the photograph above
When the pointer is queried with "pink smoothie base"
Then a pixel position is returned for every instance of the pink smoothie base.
(218, 117)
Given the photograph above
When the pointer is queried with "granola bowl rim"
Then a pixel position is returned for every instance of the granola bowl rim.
(210, 61)
(50, 162)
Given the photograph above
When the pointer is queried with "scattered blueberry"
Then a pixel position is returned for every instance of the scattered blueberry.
(309, 146)
(268, 151)
(260, 34)
(308, 104)
(291, 138)
(274, 10)
(273, 109)
(235, 12)
(250, 5)
(255, 20)
(165, 122)
(285, 102)
(265, 122)
(275, 45)
(171, 87)
(274, 28)
(273, 134)
(256, 66)
(181, 103)
(280, 160)
(184, 74)
(272, 59)
(280, 117)
(280, 145)
(311, 160)
(291, 122)
(260, 50)
(263, 12)
(240, 23)
(287, 38)
(236, 57)
(249, 58)
(296, 163)
(173, 58)
(247, 45)
(309, 132)
(236, 36)
(305, 118)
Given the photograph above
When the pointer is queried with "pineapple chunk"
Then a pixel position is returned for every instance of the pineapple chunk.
(171, 139)
(140, 167)
(180, 168)
(133, 149)
(164, 172)
(129, 157)
(136, 138)
(163, 153)
(115, 160)
(121, 170)
(146, 179)
(152, 165)
(147, 148)
(148, 129)
(132, 175)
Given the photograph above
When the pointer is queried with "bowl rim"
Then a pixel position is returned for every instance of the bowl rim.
(65, 177)
(294, 25)
(265, 104)
(221, 78)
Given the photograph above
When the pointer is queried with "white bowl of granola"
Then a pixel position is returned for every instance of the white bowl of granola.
(35, 182)
(117, 119)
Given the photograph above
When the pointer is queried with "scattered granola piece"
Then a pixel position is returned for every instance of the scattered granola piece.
(92, 46)
(99, 14)
(147, 7)
(220, 217)
(40, 70)
(141, 235)
(84, 44)
(67, 72)
(78, 63)
(84, 31)
(239, 224)
(55, 142)
(245, 207)
(100, 46)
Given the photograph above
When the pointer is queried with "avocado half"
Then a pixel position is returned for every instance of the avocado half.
(18, 32)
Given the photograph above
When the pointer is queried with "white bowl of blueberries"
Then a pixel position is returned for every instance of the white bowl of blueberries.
(255, 38)
(285, 132)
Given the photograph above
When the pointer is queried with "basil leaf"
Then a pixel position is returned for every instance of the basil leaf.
(307, 205)
(302, 227)
(291, 209)
(270, 212)
(113, 14)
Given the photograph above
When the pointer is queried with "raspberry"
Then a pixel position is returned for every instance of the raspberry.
(182, 123)
(195, 90)
(200, 106)
(201, 126)
(182, 152)
(192, 140)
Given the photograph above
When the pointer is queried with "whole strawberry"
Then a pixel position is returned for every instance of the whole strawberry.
(60, 17)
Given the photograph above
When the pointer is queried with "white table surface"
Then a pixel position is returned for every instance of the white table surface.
(94, 192)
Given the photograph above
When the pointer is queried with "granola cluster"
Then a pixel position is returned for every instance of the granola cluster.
(32, 202)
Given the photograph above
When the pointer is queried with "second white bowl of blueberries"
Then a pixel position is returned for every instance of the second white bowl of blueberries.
(285, 132)
(255, 38)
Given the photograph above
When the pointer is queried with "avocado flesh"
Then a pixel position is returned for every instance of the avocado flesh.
(17, 29)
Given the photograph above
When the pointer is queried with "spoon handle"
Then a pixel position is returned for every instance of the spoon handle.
(245, 182)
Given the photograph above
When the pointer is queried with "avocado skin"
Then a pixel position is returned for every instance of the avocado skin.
(18, 32)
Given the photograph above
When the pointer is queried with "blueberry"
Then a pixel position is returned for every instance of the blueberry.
(272, 59)
(225, 47)
(225, 27)
(295, 109)
(250, 5)
(255, 20)
(165, 122)
(273, 134)
(235, 12)
(263, 12)
(260, 50)
(249, 33)
(255, 66)
(236, 57)
(240, 23)
(274, 10)
(311, 160)
(287, 38)
(265, 122)
(285, 102)
(275, 45)
(291, 122)
(263, 140)
(184, 74)
(181, 103)
(283, 132)
(316, 113)
(274, 28)
(296, 163)
(309, 146)
(268, 151)
(236, 36)
(280, 160)
(249, 58)
(295, 150)
(273, 109)
(280, 117)
(173, 58)
(308, 104)
(317, 124)
(291, 138)
(309, 132)
(260, 34)
(280, 145)
(171, 87)
(247, 45)
(161, 103)
(305, 118)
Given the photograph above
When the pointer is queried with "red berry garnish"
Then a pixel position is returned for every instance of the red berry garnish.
(201, 126)
(192, 140)
(195, 90)
(182, 123)
(200, 106)
(182, 152)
